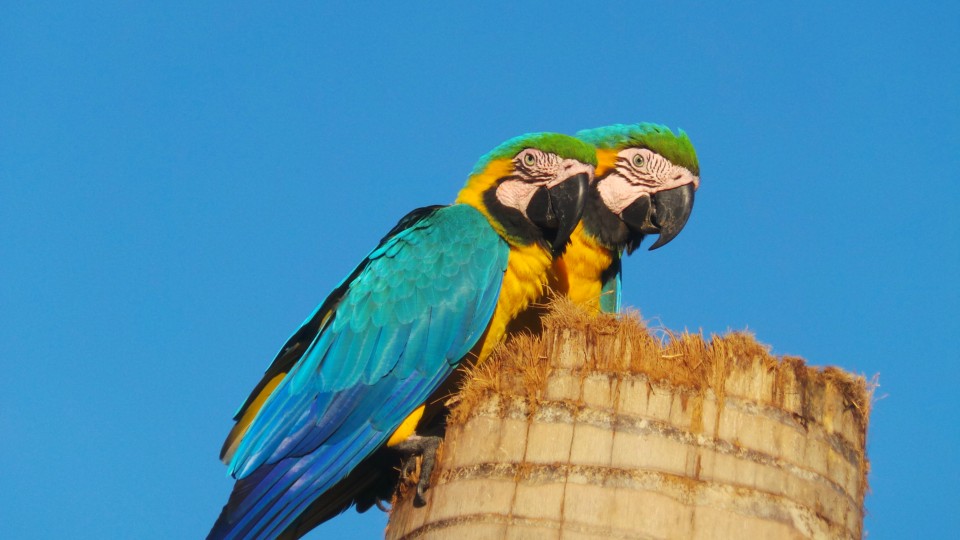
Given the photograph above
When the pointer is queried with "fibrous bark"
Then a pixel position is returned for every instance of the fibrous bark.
(596, 429)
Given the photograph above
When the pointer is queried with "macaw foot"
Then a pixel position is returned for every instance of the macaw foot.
(418, 446)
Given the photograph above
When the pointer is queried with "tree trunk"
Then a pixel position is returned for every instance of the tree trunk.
(593, 430)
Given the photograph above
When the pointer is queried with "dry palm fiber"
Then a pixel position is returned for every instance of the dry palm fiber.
(597, 428)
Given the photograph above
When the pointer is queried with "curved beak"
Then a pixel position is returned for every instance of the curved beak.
(556, 210)
(665, 213)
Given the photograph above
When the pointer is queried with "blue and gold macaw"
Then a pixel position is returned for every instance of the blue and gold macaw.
(645, 181)
(440, 287)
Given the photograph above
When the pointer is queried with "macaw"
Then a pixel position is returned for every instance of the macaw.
(355, 378)
(645, 181)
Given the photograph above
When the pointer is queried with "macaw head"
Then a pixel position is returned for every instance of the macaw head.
(532, 188)
(645, 180)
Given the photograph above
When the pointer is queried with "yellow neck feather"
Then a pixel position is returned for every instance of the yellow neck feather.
(527, 266)
(606, 161)
(578, 273)
(524, 281)
(480, 183)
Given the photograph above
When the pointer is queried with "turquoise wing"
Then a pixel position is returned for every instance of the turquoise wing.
(610, 292)
(397, 327)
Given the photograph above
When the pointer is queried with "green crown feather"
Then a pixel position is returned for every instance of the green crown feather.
(655, 137)
(564, 146)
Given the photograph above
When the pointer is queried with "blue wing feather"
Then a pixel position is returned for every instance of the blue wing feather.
(610, 293)
(389, 342)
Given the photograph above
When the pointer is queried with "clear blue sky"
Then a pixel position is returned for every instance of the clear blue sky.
(181, 184)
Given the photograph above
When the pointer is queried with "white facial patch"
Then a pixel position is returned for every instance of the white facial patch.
(675, 176)
(516, 194)
(617, 193)
(572, 167)
(631, 180)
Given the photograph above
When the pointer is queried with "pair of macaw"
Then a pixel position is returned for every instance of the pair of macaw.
(349, 393)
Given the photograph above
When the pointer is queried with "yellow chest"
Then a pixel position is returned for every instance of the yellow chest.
(523, 282)
(578, 274)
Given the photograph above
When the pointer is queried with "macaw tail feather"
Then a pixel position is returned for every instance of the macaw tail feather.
(271, 499)
(374, 480)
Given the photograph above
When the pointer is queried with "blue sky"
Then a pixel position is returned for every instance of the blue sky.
(181, 184)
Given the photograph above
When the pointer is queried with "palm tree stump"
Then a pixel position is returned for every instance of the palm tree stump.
(595, 430)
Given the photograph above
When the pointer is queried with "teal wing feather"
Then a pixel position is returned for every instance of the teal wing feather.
(297, 344)
(611, 291)
(397, 327)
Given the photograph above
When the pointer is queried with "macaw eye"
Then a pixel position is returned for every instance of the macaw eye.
(529, 160)
(638, 161)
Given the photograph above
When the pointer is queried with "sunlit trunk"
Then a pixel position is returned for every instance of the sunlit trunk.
(595, 431)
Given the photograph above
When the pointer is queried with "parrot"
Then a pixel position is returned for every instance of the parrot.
(354, 380)
(645, 181)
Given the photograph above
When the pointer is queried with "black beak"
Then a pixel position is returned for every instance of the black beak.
(664, 213)
(557, 210)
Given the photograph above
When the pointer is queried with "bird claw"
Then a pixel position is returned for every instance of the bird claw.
(426, 449)
(409, 466)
